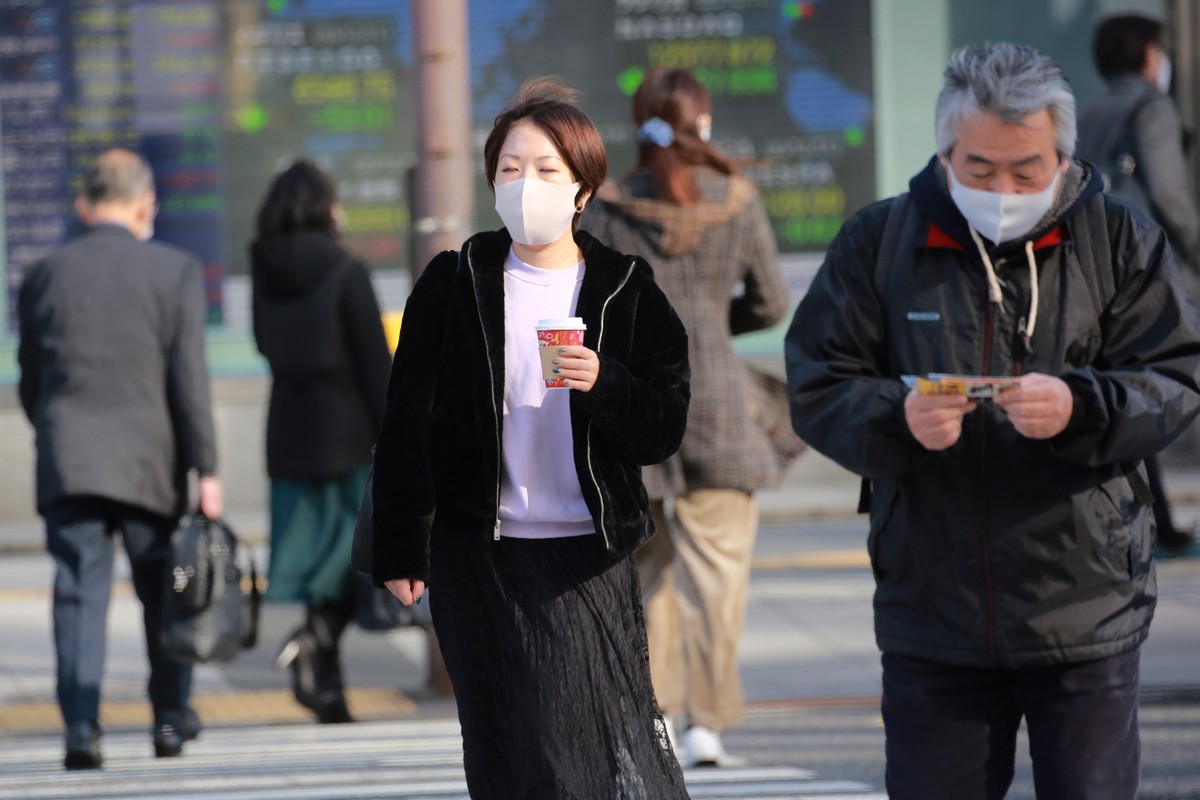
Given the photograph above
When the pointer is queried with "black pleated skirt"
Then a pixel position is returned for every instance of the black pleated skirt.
(545, 643)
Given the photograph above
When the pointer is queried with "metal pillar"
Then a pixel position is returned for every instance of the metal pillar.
(443, 189)
(443, 199)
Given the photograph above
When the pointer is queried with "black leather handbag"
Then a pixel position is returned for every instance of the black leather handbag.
(207, 614)
(375, 608)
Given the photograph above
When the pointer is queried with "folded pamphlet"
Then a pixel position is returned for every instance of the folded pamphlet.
(978, 387)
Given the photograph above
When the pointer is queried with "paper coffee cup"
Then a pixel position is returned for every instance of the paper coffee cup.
(553, 334)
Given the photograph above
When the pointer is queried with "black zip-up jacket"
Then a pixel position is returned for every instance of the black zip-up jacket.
(1001, 550)
(438, 457)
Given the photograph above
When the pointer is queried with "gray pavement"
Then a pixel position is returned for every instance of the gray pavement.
(808, 661)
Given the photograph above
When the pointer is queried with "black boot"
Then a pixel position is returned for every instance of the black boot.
(327, 623)
(298, 655)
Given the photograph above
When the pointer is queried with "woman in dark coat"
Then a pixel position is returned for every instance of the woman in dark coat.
(317, 322)
(523, 504)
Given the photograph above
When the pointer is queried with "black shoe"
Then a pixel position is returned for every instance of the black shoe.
(171, 730)
(168, 740)
(83, 746)
(191, 726)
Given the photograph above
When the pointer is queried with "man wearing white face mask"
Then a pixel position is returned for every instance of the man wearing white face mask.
(1011, 538)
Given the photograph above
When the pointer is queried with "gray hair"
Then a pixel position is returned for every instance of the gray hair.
(117, 175)
(1011, 81)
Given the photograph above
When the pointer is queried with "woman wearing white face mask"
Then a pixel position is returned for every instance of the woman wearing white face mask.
(715, 257)
(1136, 137)
(523, 503)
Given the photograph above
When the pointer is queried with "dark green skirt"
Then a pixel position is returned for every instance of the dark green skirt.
(312, 526)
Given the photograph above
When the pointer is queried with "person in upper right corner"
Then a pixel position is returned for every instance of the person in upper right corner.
(704, 228)
(1136, 137)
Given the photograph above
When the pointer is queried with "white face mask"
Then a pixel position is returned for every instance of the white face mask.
(534, 211)
(1001, 216)
(1162, 79)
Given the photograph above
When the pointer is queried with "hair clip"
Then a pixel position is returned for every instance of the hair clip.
(656, 131)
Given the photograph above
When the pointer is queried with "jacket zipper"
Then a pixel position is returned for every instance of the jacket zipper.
(588, 438)
(491, 388)
(989, 323)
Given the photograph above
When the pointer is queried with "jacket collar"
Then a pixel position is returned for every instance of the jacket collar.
(605, 273)
(605, 269)
(948, 227)
(937, 238)
(111, 229)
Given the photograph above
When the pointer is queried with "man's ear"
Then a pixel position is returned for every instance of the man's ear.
(84, 209)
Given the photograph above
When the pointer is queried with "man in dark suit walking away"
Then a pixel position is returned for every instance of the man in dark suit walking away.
(114, 381)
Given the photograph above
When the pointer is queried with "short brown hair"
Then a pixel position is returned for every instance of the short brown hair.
(551, 105)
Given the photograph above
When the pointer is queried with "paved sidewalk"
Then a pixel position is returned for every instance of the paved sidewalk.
(808, 642)
(808, 638)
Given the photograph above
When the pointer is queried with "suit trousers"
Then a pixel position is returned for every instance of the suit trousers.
(695, 574)
(79, 536)
(952, 731)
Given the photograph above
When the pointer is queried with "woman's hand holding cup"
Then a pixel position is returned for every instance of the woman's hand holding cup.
(577, 366)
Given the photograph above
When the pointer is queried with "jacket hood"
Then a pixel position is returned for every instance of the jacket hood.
(931, 194)
(292, 264)
(674, 229)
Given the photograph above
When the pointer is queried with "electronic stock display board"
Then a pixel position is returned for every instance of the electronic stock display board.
(220, 94)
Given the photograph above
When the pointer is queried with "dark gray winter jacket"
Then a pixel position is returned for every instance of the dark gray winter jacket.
(1001, 550)
(1142, 123)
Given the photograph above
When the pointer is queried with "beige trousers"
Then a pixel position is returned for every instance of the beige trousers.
(695, 574)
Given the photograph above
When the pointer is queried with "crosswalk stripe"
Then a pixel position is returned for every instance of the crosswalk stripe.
(405, 760)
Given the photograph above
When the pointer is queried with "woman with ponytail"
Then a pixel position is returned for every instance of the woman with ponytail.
(703, 227)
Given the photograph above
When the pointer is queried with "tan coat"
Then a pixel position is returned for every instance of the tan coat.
(702, 255)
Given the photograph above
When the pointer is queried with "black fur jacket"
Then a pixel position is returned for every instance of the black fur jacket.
(437, 461)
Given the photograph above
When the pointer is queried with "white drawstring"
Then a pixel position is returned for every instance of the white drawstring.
(1033, 295)
(994, 293)
(993, 282)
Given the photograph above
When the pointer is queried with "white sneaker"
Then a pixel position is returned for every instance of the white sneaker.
(671, 737)
(702, 748)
